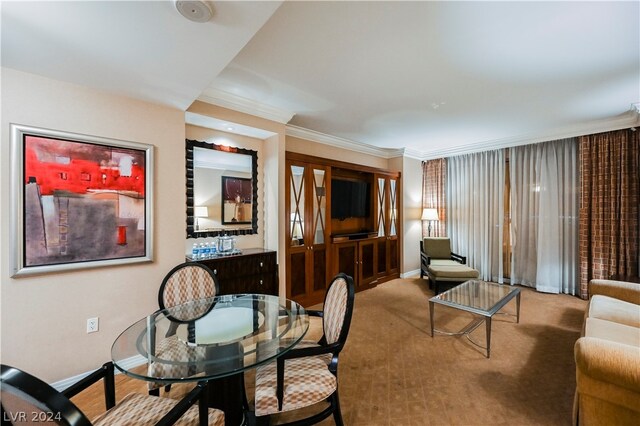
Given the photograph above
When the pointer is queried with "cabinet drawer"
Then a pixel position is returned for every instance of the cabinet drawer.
(260, 264)
(220, 267)
(229, 267)
(258, 283)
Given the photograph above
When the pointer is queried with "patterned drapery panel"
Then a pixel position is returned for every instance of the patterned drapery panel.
(434, 173)
(609, 198)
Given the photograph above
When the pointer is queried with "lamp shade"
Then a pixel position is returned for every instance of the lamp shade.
(201, 211)
(430, 214)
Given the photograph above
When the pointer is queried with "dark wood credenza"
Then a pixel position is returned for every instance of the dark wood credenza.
(255, 270)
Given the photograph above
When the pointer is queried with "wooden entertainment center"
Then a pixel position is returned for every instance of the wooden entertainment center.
(364, 242)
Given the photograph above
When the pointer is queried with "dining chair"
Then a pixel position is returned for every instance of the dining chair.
(186, 282)
(301, 377)
(27, 399)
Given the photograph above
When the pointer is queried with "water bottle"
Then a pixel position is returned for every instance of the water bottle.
(207, 250)
(213, 249)
(195, 251)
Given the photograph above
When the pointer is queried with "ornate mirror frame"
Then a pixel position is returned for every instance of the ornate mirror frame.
(191, 233)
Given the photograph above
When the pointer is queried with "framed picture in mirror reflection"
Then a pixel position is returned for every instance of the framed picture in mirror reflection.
(236, 200)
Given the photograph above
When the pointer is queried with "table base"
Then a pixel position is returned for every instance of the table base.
(228, 394)
(473, 325)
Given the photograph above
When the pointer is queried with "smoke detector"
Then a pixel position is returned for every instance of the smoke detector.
(196, 11)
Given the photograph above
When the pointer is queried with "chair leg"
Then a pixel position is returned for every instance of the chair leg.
(337, 414)
(154, 392)
(167, 388)
(263, 421)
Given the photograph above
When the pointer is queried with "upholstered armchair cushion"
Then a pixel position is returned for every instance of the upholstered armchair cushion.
(306, 381)
(137, 409)
(437, 248)
(608, 382)
(629, 292)
(614, 310)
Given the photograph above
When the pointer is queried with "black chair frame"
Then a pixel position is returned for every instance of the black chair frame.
(66, 412)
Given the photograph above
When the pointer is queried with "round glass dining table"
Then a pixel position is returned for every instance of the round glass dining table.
(210, 339)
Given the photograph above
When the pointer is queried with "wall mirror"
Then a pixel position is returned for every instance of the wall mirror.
(222, 190)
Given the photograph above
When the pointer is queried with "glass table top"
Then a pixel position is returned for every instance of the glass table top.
(477, 296)
(209, 338)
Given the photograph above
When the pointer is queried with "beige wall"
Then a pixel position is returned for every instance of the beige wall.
(411, 212)
(219, 137)
(43, 318)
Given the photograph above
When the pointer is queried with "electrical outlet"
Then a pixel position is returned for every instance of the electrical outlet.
(92, 325)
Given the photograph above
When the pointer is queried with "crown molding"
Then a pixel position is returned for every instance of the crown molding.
(413, 153)
(323, 138)
(629, 119)
(238, 103)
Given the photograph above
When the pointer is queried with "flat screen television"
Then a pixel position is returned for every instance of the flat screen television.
(349, 199)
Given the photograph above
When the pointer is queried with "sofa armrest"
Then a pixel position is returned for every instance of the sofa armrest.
(609, 362)
(623, 290)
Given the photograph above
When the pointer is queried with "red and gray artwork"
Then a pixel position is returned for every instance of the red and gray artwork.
(82, 201)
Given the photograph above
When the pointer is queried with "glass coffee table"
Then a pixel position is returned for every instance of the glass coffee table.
(478, 297)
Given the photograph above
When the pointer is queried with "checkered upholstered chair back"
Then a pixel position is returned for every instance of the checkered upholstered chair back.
(187, 282)
(337, 309)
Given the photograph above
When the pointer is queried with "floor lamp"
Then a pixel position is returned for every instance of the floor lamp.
(430, 215)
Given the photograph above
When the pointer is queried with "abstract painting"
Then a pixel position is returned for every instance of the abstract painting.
(82, 201)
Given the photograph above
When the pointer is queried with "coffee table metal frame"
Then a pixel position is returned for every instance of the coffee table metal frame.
(485, 314)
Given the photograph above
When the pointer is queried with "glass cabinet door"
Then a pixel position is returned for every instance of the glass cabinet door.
(319, 205)
(382, 196)
(297, 190)
(393, 208)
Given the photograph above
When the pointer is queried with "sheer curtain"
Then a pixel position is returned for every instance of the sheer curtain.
(475, 207)
(544, 216)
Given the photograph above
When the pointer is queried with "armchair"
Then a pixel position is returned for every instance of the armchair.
(25, 395)
(607, 356)
(441, 265)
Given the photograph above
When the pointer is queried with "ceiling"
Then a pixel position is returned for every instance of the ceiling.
(429, 78)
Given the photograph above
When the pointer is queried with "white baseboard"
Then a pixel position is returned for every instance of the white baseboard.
(410, 274)
(61, 385)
